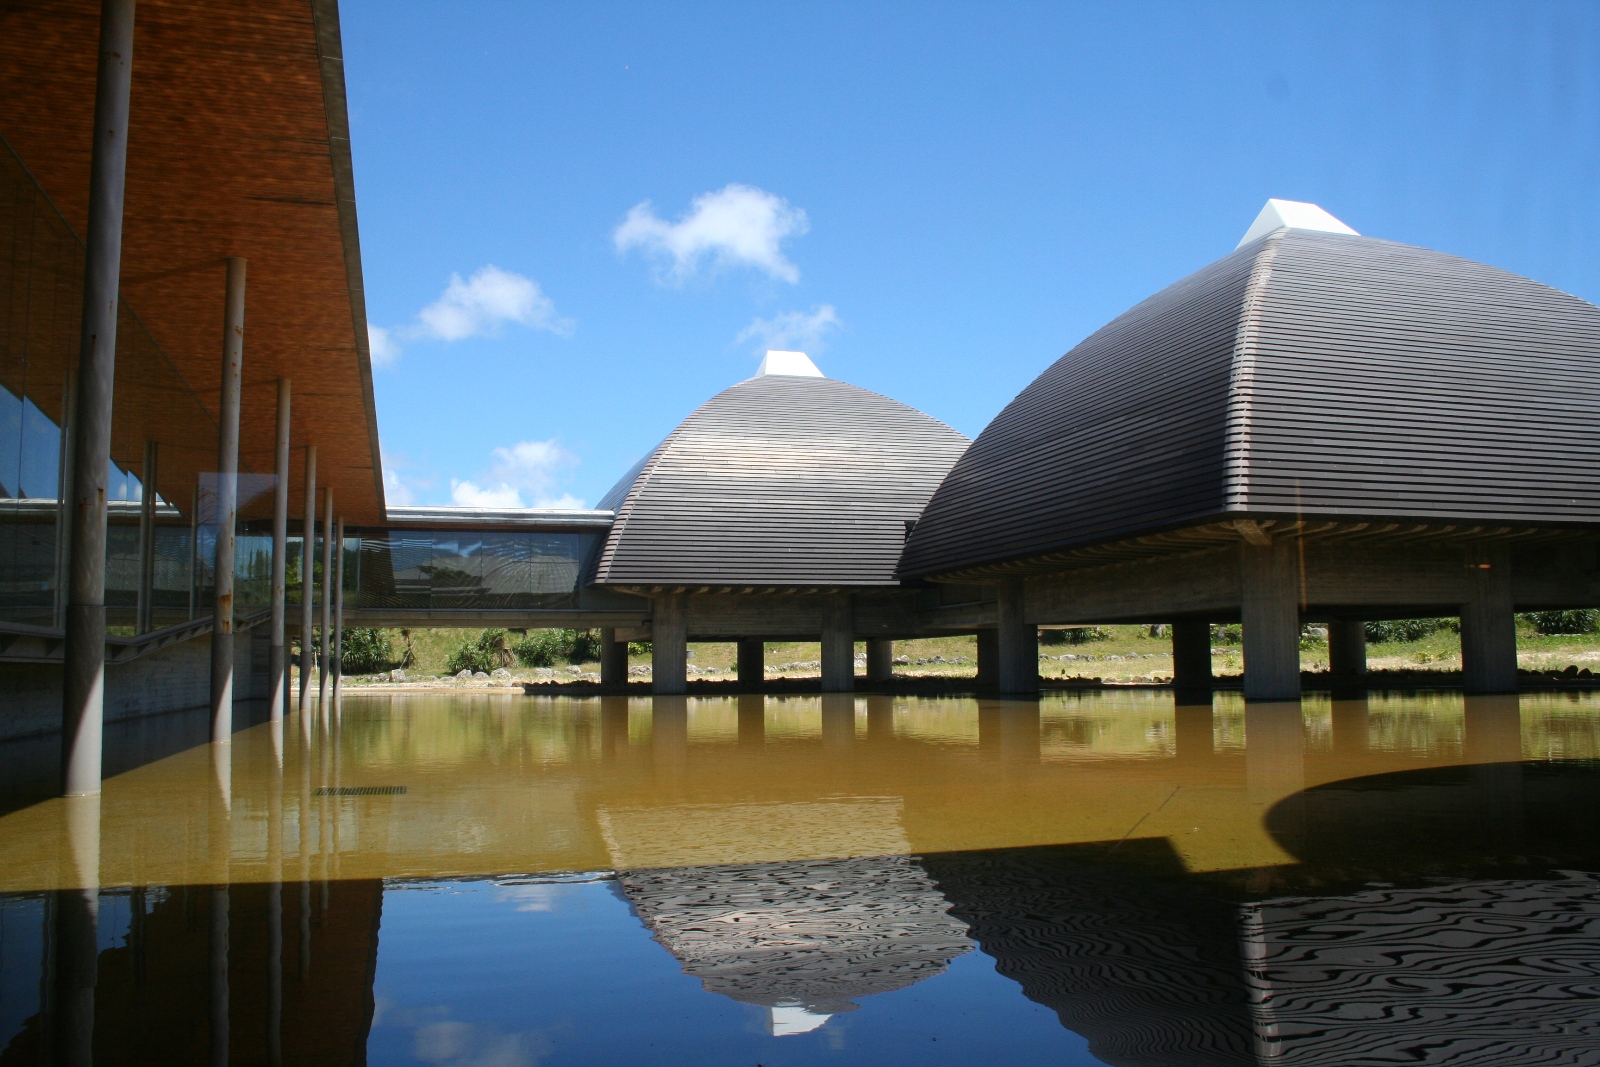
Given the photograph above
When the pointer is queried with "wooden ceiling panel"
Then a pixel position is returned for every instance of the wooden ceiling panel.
(238, 146)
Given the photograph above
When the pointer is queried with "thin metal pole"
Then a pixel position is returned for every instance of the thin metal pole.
(278, 662)
(308, 586)
(84, 655)
(147, 538)
(323, 646)
(194, 553)
(338, 612)
(69, 403)
(227, 504)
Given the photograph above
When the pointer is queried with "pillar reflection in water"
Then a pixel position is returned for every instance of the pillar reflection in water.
(752, 720)
(669, 732)
(1275, 763)
(880, 719)
(838, 720)
(1352, 719)
(1008, 730)
(1194, 729)
(613, 727)
(1492, 725)
(221, 844)
(75, 935)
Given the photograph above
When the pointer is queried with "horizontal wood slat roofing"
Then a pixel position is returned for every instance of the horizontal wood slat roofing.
(1305, 374)
(780, 481)
(238, 146)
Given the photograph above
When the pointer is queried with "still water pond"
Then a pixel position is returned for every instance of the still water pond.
(507, 881)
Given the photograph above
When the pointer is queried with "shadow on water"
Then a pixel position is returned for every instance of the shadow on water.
(30, 766)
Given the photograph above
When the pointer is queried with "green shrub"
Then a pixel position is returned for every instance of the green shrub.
(365, 651)
(546, 648)
(1226, 633)
(1577, 621)
(638, 648)
(484, 653)
(1388, 630)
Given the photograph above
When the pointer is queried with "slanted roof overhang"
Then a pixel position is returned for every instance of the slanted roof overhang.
(239, 145)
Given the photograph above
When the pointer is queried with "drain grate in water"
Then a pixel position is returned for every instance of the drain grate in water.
(361, 790)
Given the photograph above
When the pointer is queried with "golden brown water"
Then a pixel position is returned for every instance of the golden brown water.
(483, 878)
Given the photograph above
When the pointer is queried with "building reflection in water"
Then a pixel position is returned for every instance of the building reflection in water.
(804, 940)
(1436, 909)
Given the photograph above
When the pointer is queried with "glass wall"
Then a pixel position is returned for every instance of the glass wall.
(441, 570)
(160, 434)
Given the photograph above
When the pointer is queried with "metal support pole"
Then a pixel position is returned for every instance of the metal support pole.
(324, 646)
(194, 553)
(277, 660)
(1018, 642)
(84, 654)
(752, 657)
(838, 645)
(308, 585)
(64, 469)
(337, 644)
(144, 619)
(880, 659)
(227, 503)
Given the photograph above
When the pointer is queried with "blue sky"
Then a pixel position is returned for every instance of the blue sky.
(580, 221)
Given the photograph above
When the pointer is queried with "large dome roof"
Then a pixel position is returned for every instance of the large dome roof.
(780, 480)
(1306, 374)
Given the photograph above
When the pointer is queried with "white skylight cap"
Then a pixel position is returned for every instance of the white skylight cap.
(788, 1020)
(1294, 215)
(795, 364)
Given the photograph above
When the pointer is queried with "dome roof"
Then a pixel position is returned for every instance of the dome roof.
(784, 479)
(1306, 374)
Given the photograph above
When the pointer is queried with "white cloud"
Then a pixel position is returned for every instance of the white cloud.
(479, 305)
(471, 495)
(738, 225)
(528, 467)
(461, 1044)
(473, 307)
(395, 490)
(803, 330)
(382, 347)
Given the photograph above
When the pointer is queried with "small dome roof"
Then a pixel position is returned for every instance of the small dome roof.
(784, 479)
(1307, 374)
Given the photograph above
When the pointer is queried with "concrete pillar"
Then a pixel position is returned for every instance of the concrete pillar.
(1270, 607)
(1191, 655)
(880, 659)
(1018, 642)
(1347, 648)
(1488, 624)
(838, 645)
(325, 645)
(148, 475)
(988, 657)
(336, 646)
(308, 585)
(669, 645)
(84, 652)
(278, 659)
(613, 659)
(752, 662)
(227, 503)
